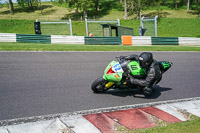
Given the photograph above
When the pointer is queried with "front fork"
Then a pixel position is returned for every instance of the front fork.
(124, 81)
(109, 84)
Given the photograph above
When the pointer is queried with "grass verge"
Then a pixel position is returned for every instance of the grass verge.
(65, 47)
(191, 126)
(167, 27)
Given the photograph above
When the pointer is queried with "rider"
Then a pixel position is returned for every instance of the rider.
(153, 72)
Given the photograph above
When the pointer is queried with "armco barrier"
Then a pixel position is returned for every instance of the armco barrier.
(7, 37)
(164, 40)
(33, 38)
(136, 40)
(67, 39)
(186, 41)
(141, 40)
(102, 40)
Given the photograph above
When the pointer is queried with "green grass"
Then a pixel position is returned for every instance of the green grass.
(167, 27)
(179, 27)
(66, 47)
(191, 126)
(173, 23)
(17, 26)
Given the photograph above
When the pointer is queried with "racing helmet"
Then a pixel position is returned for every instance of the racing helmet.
(145, 59)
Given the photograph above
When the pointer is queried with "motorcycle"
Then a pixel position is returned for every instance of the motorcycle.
(117, 73)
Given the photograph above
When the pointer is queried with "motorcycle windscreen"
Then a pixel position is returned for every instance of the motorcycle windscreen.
(136, 70)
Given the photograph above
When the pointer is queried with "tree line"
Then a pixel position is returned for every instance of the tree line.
(129, 6)
(138, 5)
(28, 4)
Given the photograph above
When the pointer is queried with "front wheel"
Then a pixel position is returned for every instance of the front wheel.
(99, 85)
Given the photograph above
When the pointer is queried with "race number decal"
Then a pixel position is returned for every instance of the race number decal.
(117, 68)
(133, 67)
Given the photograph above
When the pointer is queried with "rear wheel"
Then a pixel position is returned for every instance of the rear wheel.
(99, 85)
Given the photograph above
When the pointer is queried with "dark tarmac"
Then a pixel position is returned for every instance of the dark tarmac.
(42, 83)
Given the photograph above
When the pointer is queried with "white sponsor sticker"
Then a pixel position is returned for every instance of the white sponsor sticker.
(117, 68)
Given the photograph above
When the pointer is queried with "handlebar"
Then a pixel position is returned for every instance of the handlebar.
(121, 57)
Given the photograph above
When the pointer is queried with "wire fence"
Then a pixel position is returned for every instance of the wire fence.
(56, 28)
(150, 26)
(94, 26)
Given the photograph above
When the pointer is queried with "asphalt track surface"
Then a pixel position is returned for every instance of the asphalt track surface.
(42, 83)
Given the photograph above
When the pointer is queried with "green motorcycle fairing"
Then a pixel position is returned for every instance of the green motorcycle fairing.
(136, 70)
(114, 71)
(165, 65)
(110, 74)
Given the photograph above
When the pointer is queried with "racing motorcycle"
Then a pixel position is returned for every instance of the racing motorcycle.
(117, 73)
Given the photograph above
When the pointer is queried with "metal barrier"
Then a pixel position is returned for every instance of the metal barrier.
(102, 40)
(187, 41)
(164, 40)
(7, 37)
(67, 39)
(132, 40)
(33, 38)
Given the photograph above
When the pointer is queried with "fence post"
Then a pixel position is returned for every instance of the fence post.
(156, 25)
(118, 22)
(86, 26)
(70, 22)
(141, 22)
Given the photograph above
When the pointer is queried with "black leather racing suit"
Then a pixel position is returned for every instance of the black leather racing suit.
(153, 74)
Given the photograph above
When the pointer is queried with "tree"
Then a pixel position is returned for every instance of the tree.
(176, 4)
(84, 4)
(11, 6)
(97, 5)
(28, 3)
(125, 9)
(198, 7)
(136, 6)
(138, 9)
(188, 5)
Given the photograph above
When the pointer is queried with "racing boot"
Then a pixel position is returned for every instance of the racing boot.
(147, 91)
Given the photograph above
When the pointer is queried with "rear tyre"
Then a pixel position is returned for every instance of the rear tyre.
(98, 85)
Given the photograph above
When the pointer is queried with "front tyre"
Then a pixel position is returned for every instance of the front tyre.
(98, 85)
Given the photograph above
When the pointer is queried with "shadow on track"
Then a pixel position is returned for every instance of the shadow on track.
(136, 94)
